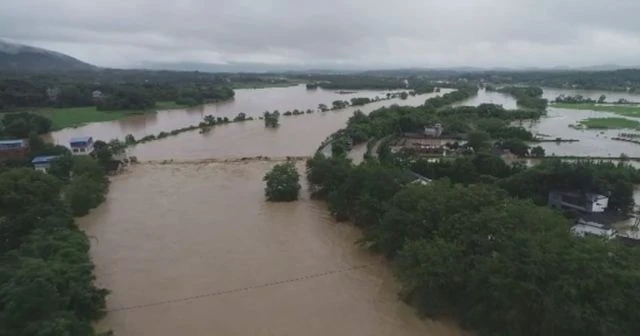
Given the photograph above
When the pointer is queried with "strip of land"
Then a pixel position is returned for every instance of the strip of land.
(610, 123)
(77, 116)
(624, 110)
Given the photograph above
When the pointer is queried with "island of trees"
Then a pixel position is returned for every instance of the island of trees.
(282, 183)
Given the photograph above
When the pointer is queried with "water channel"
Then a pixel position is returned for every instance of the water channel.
(193, 248)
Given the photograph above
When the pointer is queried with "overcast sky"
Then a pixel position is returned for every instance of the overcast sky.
(371, 33)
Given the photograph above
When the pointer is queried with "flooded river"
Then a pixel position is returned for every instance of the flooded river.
(193, 249)
(252, 102)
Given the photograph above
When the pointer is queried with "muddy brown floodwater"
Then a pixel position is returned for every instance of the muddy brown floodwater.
(193, 249)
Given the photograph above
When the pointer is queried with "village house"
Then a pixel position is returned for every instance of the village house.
(13, 149)
(81, 145)
(583, 228)
(583, 202)
(434, 132)
(97, 95)
(42, 163)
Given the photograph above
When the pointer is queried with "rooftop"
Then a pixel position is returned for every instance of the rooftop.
(12, 142)
(43, 159)
(81, 139)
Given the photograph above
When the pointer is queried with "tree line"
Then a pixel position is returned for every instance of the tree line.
(613, 80)
(110, 89)
(471, 246)
(527, 97)
(46, 274)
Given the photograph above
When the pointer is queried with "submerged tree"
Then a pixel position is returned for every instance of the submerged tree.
(282, 183)
(271, 119)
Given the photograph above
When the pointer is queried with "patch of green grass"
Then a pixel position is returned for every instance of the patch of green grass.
(169, 105)
(78, 116)
(624, 110)
(610, 123)
(262, 85)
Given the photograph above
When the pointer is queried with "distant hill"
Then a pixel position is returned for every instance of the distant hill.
(19, 57)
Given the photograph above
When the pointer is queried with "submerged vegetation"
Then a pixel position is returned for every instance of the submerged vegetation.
(282, 183)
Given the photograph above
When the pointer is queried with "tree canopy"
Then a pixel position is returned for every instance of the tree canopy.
(282, 183)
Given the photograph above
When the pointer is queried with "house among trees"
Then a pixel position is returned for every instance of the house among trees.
(97, 95)
(42, 163)
(81, 145)
(584, 228)
(583, 202)
(13, 149)
(433, 132)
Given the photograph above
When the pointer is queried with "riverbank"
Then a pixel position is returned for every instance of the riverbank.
(623, 110)
(78, 116)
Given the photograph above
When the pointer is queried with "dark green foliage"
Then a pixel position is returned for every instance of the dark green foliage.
(126, 100)
(585, 176)
(537, 151)
(339, 104)
(616, 80)
(501, 266)
(529, 97)
(271, 119)
(282, 183)
(479, 140)
(20, 125)
(340, 146)
(359, 101)
(240, 117)
(113, 89)
(129, 140)
(46, 275)
(515, 146)
(38, 147)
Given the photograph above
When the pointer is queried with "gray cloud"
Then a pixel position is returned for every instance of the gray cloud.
(372, 33)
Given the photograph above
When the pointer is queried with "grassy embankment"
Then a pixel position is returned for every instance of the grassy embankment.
(606, 123)
(77, 116)
(610, 123)
(623, 110)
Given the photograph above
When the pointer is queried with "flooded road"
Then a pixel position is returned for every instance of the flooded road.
(193, 249)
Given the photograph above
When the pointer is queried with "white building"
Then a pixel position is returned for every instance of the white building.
(583, 228)
(42, 163)
(434, 131)
(81, 145)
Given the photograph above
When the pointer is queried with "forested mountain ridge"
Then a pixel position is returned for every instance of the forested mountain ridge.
(19, 57)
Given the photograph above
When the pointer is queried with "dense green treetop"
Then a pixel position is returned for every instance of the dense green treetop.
(282, 183)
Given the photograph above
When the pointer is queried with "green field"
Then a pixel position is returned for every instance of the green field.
(624, 110)
(77, 116)
(262, 85)
(610, 123)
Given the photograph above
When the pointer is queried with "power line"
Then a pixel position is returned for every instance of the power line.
(238, 290)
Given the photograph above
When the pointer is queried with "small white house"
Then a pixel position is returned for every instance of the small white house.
(434, 131)
(42, 163)
(81, 145)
